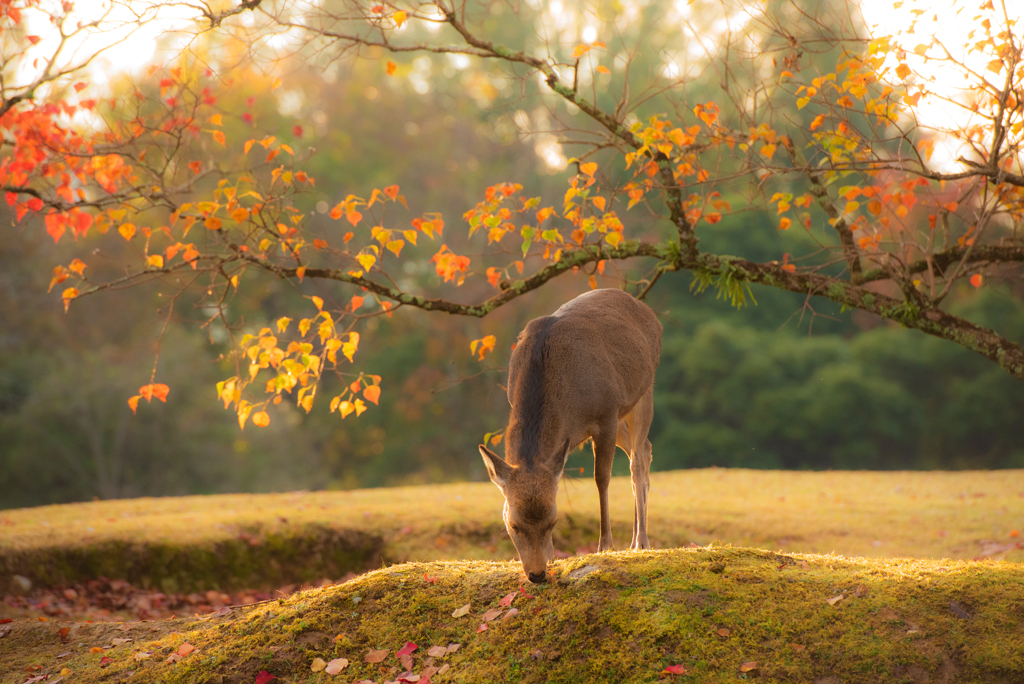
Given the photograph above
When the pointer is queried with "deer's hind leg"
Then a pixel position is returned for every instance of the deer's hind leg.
(632, 437)
(604, 455)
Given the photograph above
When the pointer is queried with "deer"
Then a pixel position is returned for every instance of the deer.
(586, 372)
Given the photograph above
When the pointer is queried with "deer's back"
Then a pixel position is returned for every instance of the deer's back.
(594, 357)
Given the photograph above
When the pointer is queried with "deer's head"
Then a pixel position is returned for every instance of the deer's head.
(530, 509)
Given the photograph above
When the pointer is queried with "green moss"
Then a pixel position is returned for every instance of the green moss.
(634, 614)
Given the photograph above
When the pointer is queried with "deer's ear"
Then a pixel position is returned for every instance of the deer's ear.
(497, 469)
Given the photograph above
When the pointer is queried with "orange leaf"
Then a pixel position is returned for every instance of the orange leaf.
(391, 72)
(976, 280)
(356, 303)
(219, 137)
(318, 302)
(372, 393)
(785, 223)
(133, 403)
(300, 272)
(589, 168)
(493, 276)
(603, 70)
(261, 419)
(391, 191)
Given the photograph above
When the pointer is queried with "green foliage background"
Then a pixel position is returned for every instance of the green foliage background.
(780, 384)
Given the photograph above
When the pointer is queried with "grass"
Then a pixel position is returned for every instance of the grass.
(914, 606)
(249, 541)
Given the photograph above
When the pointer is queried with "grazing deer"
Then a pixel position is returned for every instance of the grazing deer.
(585, 372)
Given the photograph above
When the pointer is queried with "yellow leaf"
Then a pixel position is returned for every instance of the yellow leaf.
(133, 403)
(155, 260)
(410, 235)
(304, 326)
(613, 238)
(300, 272)
(318, 302)
(603, 70)
(396, 246)
(282, 323)
(277, 83)
(851, 207)
(215, 120)
(996, 65)
(589, 168)
(127, 230)
(346, 408)
(261, 419)
(248, 145)
(68, 295)
(580, 50)
(599, 202)
(399, 17)
(360, 407)
(366, 261)
(768, 150)
(921, 49)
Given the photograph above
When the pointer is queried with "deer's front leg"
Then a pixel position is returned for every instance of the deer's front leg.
(604, 454)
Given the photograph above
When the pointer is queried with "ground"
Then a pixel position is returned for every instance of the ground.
(919, 594)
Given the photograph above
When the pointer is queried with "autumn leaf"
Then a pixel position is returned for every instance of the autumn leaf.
(391, 66)
(492, 614)
(261, 419)
(263, 677)
(462, 610)
(372, 393)
(336, 666)
(976, 280)
(747, 667)
(834, 600)
(376, 656)
(399, 18)
(675, 669)
(508, 598)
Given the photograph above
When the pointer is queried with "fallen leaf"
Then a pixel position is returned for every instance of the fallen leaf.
(482, 627)
(861, 591)
(797, 647)
(96, 649)
(117, 641)
(452, 648)
(406, 661)
(507, 600)
(492, 614)
(143, 655)
(105, 660)
(63, 634)
(407, 649)
(723, 632)
(438, 652)
(263, 677)
(536, 654)
(958, 611)
(408, 677)
(377, 656)
(834, 600)
(426, 578)
(173, 658)
(185, 649)
(459, 612)
(444, 668)
(318, 664)
(511, 613)
(427, 673)
(336, 666)
(747, 667)
(675, 669)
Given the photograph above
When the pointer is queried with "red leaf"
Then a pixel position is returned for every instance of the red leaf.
(482, 627)
(263, 677)
(675, 669)
(976, 280)
(372, 393)
(407, 649)
(426, 578)
(507, 600)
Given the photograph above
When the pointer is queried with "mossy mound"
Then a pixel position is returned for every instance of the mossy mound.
(722, 613)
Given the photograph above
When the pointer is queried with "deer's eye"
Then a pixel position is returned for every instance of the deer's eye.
(515, 529)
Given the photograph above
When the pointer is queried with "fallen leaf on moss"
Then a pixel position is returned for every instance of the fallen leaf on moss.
(675, 669)
(444, 668)
(336, 666)
(723, 632)
(525, 595)
(377, 656)
(263, 677)
(747, 667)
(142, 655)
(512, 613)
(507, 600)
(406, 660)
(834, 600)
(105, 660)
(797, 647)
(96, 649)
(427, 673)
(452, 648)
(536, 654)
(63, 634)
(408, 677)
(492, 614)
(482, 627)
(437, 651)
(407, 649)
(185, 649)
(459, 612)
(119, 641)
(429, 580)
(173, 658)
(318, 664)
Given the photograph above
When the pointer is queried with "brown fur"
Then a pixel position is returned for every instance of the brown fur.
(585, 372)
